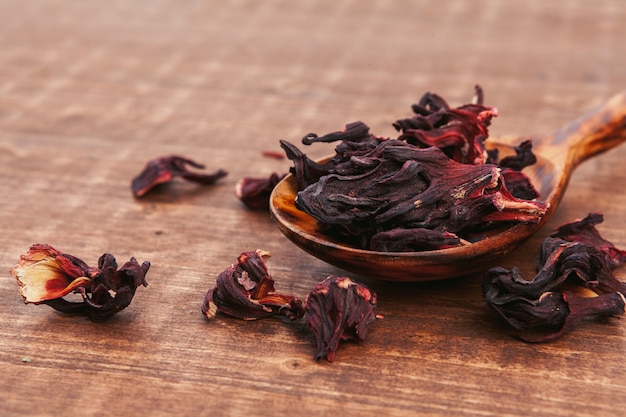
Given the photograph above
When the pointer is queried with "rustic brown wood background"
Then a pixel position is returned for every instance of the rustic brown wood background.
(91, 90)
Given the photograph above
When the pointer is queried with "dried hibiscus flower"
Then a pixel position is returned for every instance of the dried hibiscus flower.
(45, 275)
(246, 290)
(459, 132)
(575, 281)
(382, 193)
(255, 192)
(339, 309)
(585, 231)
(162, 170)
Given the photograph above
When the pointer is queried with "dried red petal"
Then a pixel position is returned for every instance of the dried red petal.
(411, 240)
(584, 230)
(575, 281)
(255, 192)
(273, 154)
(246, 290)
(339, 309)
(523, 157)
(46, 275)
(555, 313)
(165, 169)
(353, 132)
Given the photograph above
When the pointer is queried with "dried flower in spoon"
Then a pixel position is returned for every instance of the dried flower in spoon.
(162, 170)
(574, 282)
(382, 193)
(45, 275)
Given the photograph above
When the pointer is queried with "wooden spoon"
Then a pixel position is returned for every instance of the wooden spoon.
(557, 155)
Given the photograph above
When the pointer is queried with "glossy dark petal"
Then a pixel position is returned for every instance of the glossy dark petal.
(305, 170)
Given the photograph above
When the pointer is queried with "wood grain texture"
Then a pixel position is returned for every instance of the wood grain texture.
(90, 91)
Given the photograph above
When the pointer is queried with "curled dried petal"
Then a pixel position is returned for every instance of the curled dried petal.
(305, 170)
(584, 230)
(45, 275)
(574, 281)
(255, 192)
(353, 132)
(523, 157)
(411, 240)
(246, 290)
(554, 313)
(339, 309)
(165, 169)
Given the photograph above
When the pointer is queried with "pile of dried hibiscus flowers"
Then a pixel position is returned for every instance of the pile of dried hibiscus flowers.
(433, 187)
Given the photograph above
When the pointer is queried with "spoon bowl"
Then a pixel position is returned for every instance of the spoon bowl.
(558, 154)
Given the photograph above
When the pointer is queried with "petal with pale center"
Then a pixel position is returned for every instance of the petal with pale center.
(44, 273)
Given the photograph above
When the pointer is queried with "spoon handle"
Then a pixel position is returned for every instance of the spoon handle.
(596, 131)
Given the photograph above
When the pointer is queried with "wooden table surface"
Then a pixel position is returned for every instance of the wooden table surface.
(92, 90)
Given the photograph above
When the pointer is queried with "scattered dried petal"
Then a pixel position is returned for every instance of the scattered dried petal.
(339, 309)
(574, 282)
(162, 170)
(246, 290)
(273, 154)
(255, 192)
(45, 275)
(554, 313)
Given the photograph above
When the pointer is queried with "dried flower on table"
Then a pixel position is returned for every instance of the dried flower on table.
(575, 281)
(435, 176)
(255, 192)
(246, 290)
(45, 275)
(585, 231)
(162, 170)
(339, 309)
(273, 154)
